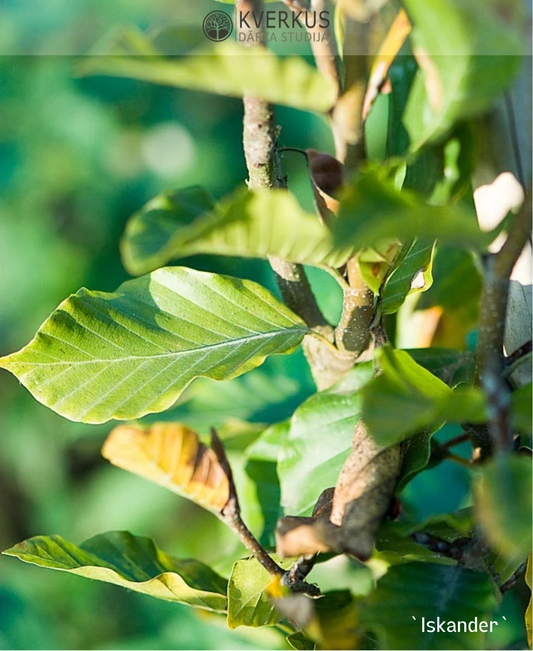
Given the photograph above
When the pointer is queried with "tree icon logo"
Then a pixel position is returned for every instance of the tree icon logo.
(217, 26)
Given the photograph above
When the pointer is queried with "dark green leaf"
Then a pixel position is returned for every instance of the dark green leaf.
(133, 562)
(300, 641)
(410, 592)
(261, 468)
(412, 275)
(503, 504)
(521, 401)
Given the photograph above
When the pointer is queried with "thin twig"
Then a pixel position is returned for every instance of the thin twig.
(493, 311)
(231, 513)
(456, 440)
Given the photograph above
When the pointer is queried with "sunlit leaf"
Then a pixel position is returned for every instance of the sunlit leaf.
(412, 591)
(122, 355)
(412, 275)
(221, 68)
(468, 51)
(248, 601)
(246, 224)
(261, 224)
(133, 562)
(415, 400)
(171, 455)
(503, 504)
(319, 442)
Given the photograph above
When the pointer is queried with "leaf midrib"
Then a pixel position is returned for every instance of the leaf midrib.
(222, 344)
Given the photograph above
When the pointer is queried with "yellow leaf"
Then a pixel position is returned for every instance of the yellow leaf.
(171, 455)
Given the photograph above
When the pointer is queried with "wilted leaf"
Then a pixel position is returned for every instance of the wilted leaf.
(415, 590)
(248, 601)
(503, 504)
(123, 355)
(398, 32)
(133, 562)
(222, 68)
(171, 455)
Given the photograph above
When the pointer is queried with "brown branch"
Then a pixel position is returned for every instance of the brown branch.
(493, 312)
(231, 514)
(259, 139)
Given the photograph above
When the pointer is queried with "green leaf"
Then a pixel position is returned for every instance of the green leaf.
(372, 210)
(221, 68)
(319, 442)
(271, 222)
(133, 562)
(521, 401)
(123, 355)
(469, 52)
(394, 547)
(449, 365)
(456, 280)
(300, 641)
(248, 602)
(261, 468)
(412, 275)
(415, 400)
(410, 592)
(503, 504)
(246, 224)
(150, 231)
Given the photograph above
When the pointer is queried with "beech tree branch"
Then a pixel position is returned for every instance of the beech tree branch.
(259, 139)
(493, 311)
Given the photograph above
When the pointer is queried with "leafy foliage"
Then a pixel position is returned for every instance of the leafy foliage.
(452, 593)
(222, 68)
(175, 325)
(331, 467)
(132, 562)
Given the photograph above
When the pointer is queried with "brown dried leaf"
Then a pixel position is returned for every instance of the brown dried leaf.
(327, 178)
(171, 455)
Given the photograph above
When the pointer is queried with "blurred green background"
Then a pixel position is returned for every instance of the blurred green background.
(77, 158)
